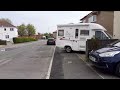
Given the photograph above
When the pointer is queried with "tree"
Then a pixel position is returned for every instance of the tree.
(48, 35)
(6, 19)
(30, 29)
(22, 30)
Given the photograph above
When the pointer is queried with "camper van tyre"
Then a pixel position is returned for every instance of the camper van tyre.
(68, 49)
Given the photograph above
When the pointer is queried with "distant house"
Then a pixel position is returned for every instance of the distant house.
(7, 31)
(55, 34)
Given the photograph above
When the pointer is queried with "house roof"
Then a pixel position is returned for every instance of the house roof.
(93, 12)
(5, 24)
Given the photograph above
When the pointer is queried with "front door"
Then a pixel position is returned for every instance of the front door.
(75, 42)
(84, 35)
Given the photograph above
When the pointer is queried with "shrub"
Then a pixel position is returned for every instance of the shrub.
(3, 42)
(23, 39)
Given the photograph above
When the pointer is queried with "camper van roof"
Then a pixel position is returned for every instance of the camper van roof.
(92, 25)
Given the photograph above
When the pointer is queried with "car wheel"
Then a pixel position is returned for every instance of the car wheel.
(118, 70)
(68, 49)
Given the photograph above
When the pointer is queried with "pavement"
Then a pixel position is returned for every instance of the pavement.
(74, 66)
(26, 61)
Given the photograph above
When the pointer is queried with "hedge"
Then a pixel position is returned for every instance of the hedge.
(23, 39)
(3, 42)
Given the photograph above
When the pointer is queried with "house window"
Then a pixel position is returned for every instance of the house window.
(76, 33)
(11, 29)
(4, 29)
(84, 32)
(60, 32)
(92, 19)
(6, 36)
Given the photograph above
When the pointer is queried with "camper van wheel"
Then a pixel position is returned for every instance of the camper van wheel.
(68, 49)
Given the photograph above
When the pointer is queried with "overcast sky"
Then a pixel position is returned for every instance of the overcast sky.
(44, 21)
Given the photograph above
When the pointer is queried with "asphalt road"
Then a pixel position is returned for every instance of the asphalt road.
(71, 66)
(25, 61)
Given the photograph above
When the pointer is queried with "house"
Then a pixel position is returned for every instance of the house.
(104, 18)
(55, 34)
(7, 31)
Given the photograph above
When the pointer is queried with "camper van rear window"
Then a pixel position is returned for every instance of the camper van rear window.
(84, 32)
(60, 32)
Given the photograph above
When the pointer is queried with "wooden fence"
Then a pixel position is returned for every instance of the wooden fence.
(93, 44)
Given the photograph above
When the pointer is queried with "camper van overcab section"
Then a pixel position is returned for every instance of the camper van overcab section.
(74, 36)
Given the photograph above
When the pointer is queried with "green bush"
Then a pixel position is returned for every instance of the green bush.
(3, 42)
(23, 39)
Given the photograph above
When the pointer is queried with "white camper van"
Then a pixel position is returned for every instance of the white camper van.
(74, 36)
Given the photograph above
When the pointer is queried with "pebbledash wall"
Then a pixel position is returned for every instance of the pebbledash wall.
(116, 27)
(8, 34)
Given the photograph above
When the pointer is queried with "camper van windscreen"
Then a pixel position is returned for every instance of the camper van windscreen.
(108, 35)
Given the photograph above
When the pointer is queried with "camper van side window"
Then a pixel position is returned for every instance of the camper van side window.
(60, 32)
(84, 32)
(76, 33)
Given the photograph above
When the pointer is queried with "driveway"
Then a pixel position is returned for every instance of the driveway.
(26, 61)
(71, 66)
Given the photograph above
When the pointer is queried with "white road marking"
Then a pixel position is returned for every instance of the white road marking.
(3, 49)
(50, 66)
(69, 62)
(2, 60)
(5, 61)
(91, 67)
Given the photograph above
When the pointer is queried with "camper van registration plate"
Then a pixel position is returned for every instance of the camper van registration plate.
(92, 58)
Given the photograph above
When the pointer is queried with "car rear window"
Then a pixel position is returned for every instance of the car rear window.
(50, 39)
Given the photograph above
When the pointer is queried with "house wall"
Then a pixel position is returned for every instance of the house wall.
(55, 34)
(116, 25)
(106, 18)
(8, 32)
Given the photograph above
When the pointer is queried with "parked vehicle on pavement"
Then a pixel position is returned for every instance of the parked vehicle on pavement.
(74, 36)
(107, 58)
(51, 41)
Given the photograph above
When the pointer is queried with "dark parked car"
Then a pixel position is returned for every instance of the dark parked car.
(51, 41)
(107, 58)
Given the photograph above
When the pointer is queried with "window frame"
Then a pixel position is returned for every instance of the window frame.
(101, 37)
(94, 18)
(7, 36)
(85, 33)
(76, 33)
(59, 33)
(11, 29)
